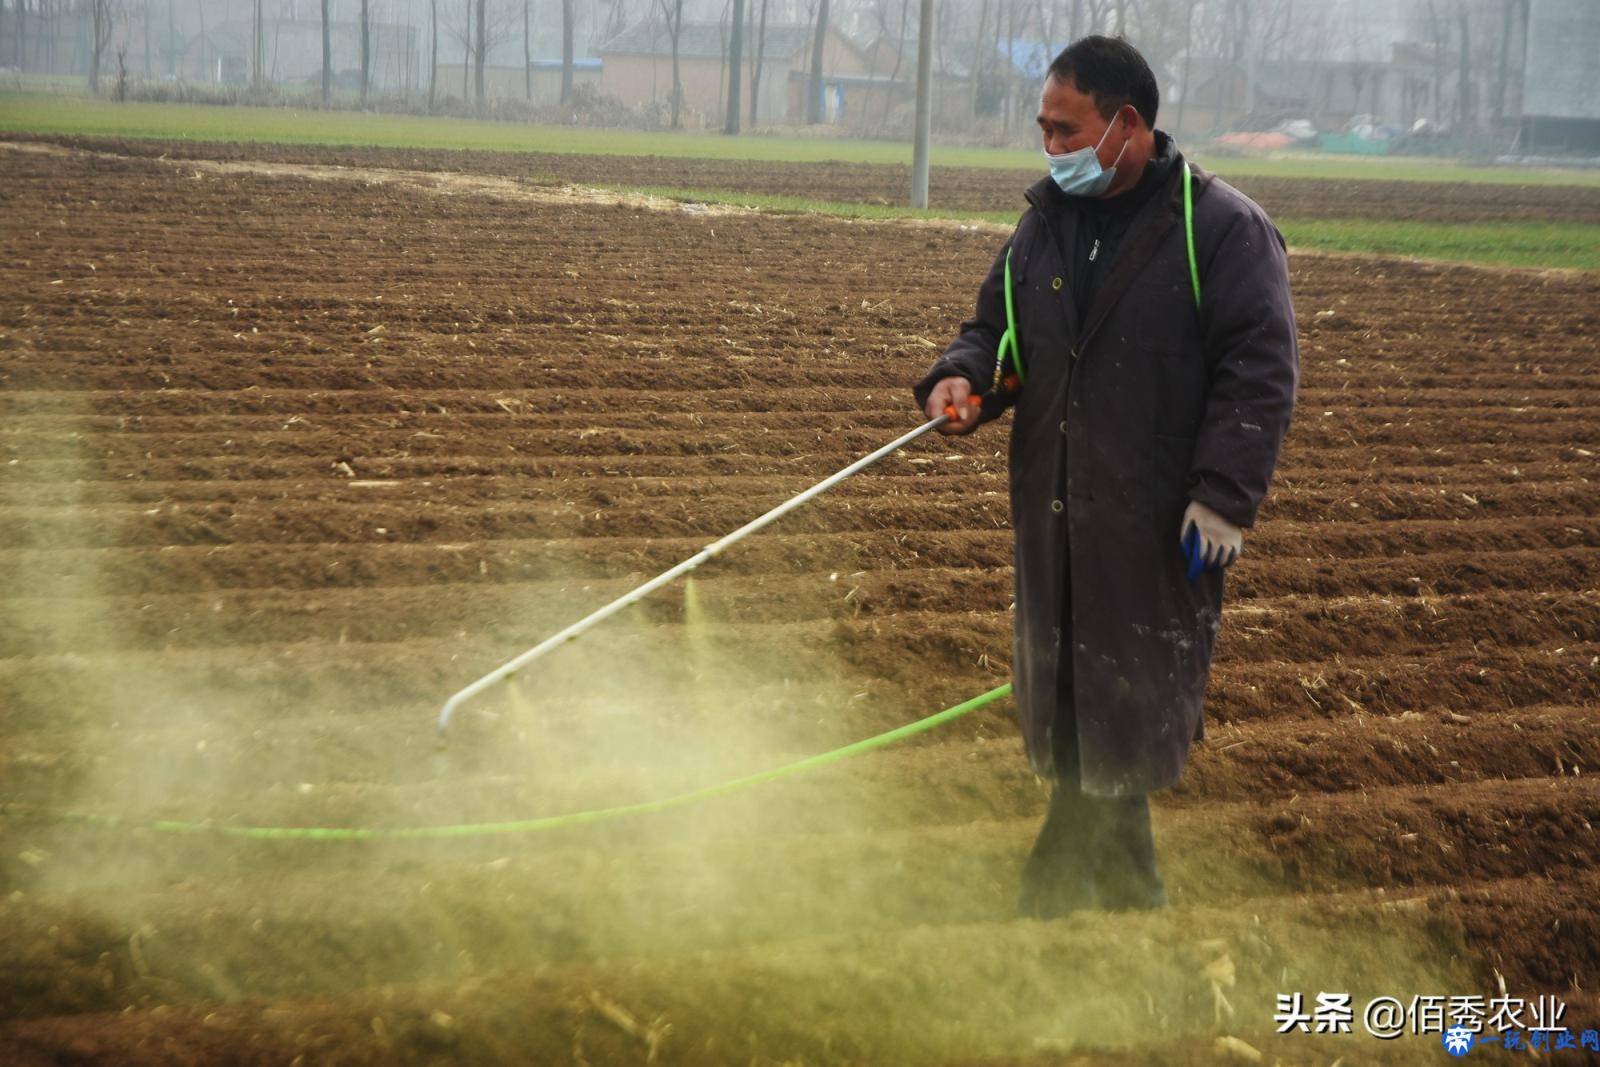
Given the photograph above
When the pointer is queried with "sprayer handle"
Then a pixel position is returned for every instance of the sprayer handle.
(973, 401)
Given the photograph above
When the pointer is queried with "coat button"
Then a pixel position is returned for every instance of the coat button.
(1063, 425)
(1055, 283)
(1056, 506)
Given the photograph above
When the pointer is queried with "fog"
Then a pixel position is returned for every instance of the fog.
(1435, 67)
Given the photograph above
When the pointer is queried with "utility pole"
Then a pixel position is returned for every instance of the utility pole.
(327, 56)
(919, 150)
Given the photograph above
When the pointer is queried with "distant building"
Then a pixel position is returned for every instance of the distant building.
(1561, 83)
(1329, 92)
(504, 81)
(892, 64)
(292, 54)
(637, 69)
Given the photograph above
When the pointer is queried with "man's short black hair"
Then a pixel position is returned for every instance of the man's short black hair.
(1112, 72)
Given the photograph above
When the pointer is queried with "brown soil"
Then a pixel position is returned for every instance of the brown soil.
(284, 461)
(950, 188)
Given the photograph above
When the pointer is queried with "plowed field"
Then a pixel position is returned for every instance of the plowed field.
(285, 461)
(950, 188)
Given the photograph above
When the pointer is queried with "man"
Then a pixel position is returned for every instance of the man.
(1152, 388)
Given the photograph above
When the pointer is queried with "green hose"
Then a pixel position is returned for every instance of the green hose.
(522, 826)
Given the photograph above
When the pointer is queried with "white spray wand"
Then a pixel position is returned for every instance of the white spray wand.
(549, 644)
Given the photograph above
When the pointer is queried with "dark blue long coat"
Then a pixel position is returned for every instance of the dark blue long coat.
(1163, 404)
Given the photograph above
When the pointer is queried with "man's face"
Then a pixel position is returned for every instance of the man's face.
(1069, 121)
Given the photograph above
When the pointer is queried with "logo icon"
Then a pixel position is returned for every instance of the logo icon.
(1458, 1041)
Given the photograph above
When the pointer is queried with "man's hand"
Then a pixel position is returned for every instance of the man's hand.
(955, 392)
(1220, 540)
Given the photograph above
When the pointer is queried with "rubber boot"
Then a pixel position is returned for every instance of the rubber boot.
(1125, 874)
(1058, 878)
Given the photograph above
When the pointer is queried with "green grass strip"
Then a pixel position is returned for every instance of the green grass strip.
(60, 113)
(1314, 165)
(25, 112)
(1572, 245)
(523, 826)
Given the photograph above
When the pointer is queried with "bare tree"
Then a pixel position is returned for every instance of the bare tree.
(616, 19)
(978, 68)
(1513, 22)
(994, 53)
(1440, 34)
(1188, 56)
(527, 55)
(480, 57)
(44, 45)
(1241, 36)
(408, 65)
(735, 61)
(923, 123)
(755, 70)
(722, 60)
(101, 16)
(1162, 30)
(1503, 62)
(1097, 12)
(1049, 23)
(1009, 52)
(433, 49)
(482, 27)
(366, 51)
(814, 84)
(258, 50)
(899, 52)
(672, 10)
(566, 48)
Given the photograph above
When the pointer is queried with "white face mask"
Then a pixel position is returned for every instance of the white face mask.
(1079, 173)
